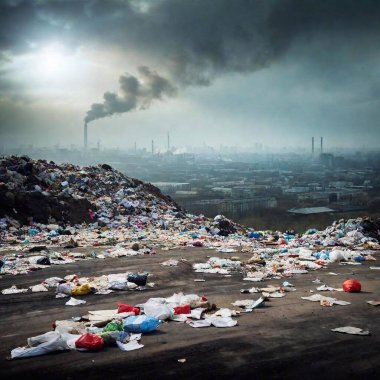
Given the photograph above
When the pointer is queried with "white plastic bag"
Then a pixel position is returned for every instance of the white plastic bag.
(130, 346)
(50, 342)
(158, 310)
(336, 256)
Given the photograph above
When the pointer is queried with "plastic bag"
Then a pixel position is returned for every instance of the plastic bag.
(81, 290)
(64, 289)
(130, 346)
(39, 339)
(352, 286)
(74, 302)
(191, 299)
(336, 256)
(125, 308)
(113, 326)
(141, 324)
(138, 279)
(118, 284)
(157, 310)
(41, 345)
(70, 327)
(90, 342)
(43, 261)
(185, 309)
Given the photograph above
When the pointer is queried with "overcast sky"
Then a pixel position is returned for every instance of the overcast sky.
(232, 72)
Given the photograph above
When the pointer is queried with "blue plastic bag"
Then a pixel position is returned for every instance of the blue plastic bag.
(140, 324)
(359, 259)
(33, 231)
(254, 235)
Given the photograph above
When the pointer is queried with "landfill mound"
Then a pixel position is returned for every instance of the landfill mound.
(44, 192)
(69, 206)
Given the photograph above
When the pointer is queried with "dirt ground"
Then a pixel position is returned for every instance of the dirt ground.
(288, 338)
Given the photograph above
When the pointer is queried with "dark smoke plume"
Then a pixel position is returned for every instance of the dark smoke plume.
(135, 93)
(197, 41)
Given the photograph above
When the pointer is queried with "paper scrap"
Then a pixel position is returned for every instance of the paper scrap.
(351, 330)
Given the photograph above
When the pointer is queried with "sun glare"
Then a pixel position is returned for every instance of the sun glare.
(52, 60)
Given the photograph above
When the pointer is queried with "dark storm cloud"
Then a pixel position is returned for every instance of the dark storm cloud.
(134, 93)
(196, 41)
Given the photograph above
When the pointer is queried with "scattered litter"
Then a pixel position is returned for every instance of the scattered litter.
(325, 301)
(13, 290)
(352, 286)
(130, 346)
(200, 323)
(170, 263)
(253, 279)
(74, 302)
(41, 345)
(351, 330)
(38, 288)
(249, 305)
(325, 288)
(273, 295)
(88, 341)
(374, 302)
(125, 217)
(222, 322)
(251, 290)
(61, 295)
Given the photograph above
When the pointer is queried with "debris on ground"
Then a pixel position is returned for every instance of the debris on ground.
(52, 215)
(352, 286)
(325, 301)
(351, 330)
(124, 326)
(374, 302)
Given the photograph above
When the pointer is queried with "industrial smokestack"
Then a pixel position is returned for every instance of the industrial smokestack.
(152, 147)
(168, 142)
(85, 136)
(312, 145)
(321, 144)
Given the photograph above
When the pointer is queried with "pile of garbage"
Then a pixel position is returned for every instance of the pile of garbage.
(66, 205)
(45, 206)
(124, 326)
(40, 191)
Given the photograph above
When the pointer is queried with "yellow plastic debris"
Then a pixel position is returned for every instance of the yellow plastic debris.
(81, 290)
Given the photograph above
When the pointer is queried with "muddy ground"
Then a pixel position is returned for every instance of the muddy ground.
(288, 338)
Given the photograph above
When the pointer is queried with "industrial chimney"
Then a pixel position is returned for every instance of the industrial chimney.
(85, 136)
(321, 144)
(312, 145)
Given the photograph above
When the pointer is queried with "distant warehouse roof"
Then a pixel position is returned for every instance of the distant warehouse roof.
(310, 210)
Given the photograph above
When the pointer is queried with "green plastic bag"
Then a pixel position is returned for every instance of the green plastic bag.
(113, 326)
